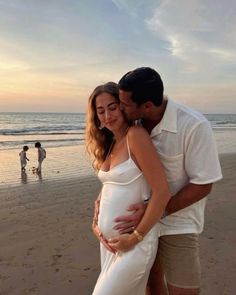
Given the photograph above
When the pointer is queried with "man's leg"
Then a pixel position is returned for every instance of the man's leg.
(180, 291)
(156, 280)
(178, 261)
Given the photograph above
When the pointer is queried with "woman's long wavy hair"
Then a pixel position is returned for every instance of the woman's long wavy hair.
(98, 140)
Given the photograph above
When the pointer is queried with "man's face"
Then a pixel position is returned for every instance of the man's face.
(130, 108)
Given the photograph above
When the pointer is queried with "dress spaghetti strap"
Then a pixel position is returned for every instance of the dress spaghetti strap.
(127, 143)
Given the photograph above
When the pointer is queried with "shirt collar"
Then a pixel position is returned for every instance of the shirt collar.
(168, 121)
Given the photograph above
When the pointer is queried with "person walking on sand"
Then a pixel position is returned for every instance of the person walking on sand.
(41, 156)
(127, 165)
(186, 146)
(23, 158)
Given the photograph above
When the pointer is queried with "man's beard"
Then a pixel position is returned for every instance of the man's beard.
(131, 120)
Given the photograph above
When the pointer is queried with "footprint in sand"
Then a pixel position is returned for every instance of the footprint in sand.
(29, 251)
(31, 291)
(55, 259)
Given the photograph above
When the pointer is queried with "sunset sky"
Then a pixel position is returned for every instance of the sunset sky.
(54, 52)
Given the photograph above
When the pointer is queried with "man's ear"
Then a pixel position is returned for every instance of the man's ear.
(147, 106)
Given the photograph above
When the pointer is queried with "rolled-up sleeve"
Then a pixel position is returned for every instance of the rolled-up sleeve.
(201, 159)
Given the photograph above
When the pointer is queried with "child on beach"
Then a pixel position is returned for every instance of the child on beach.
(41, 155)
(23, 158)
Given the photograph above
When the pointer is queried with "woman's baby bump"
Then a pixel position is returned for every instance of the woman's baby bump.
(115, 201)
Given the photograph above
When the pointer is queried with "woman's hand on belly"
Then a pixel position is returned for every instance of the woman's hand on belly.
(101, 238)
(123, 243)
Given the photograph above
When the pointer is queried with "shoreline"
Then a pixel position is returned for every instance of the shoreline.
(60, 163)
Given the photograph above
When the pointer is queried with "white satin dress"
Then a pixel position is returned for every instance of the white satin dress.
(124, 273)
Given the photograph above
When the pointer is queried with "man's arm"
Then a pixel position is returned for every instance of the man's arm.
(188, 195)
(127, 223)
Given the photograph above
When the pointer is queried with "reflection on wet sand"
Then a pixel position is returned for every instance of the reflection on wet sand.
(23, 177)
(37, 174)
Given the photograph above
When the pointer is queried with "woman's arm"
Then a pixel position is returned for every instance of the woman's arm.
(148, 160)
(96, 208)
(95, 227)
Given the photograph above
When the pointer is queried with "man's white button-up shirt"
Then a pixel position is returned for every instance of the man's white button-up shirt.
(187, 148)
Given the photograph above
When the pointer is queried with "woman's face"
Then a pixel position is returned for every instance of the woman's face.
(108, 112)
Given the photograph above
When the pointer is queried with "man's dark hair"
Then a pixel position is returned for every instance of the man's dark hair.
(145, 85)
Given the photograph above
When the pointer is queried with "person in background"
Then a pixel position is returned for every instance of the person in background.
(23, 158)
(41, 156)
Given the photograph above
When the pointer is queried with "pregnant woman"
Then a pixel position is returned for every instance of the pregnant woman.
(131, 172)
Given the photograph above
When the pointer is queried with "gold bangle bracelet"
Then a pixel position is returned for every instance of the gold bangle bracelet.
(138, 235)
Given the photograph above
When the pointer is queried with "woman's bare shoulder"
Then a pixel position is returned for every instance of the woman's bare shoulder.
(136, 132)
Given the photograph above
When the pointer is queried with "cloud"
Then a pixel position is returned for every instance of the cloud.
(51, 49)
(136, 8)
(198, 32)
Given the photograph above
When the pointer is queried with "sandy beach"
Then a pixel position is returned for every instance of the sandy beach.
(46, 243)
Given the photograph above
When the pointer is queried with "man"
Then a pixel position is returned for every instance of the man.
(185, 143)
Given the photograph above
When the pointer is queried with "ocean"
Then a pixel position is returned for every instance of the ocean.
(51, 129)
(67, 129)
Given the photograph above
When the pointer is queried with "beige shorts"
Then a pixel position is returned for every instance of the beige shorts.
(178, 256)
